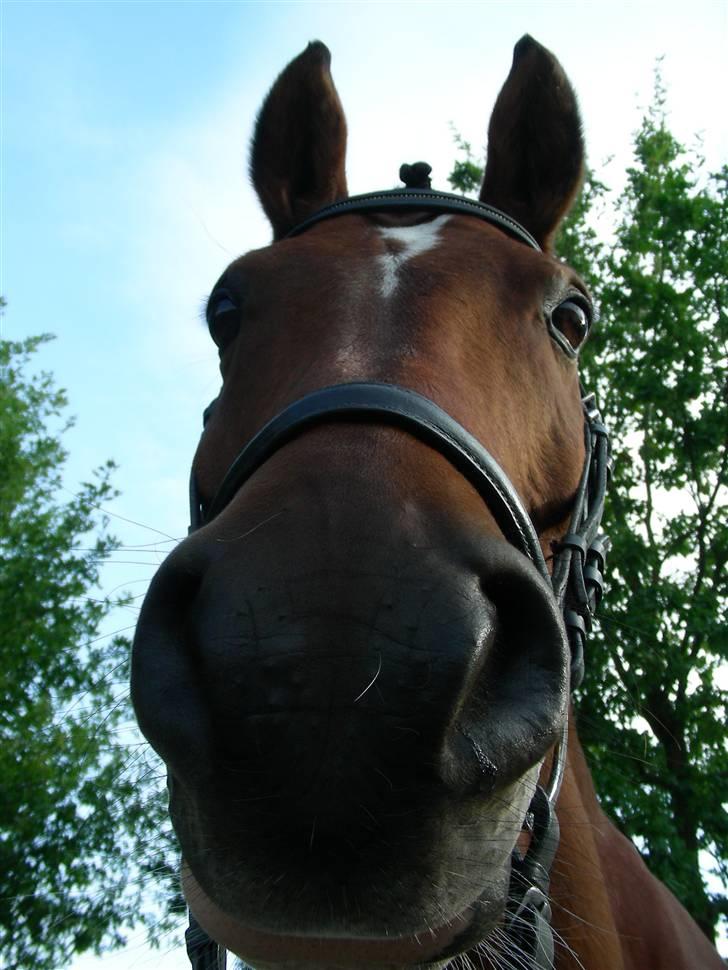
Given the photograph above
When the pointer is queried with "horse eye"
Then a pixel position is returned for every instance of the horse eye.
(222, 319)
(569, 324)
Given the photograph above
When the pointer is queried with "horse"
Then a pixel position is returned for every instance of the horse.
(358, 665)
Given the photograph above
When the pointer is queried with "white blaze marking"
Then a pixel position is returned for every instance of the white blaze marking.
(414, 240)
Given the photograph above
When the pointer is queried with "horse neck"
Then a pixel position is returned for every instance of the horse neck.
(606, 905)
(582, 913)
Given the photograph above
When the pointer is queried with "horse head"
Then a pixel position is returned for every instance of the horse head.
(355, 666)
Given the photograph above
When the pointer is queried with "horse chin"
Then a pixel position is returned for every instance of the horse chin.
(381, 940)
(432, 949)
(457, 901)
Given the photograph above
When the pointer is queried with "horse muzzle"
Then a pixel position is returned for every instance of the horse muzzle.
(352, 708)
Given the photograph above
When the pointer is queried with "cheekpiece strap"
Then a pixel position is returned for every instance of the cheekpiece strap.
(579, 558)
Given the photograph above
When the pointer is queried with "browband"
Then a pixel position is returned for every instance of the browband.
(420, 199)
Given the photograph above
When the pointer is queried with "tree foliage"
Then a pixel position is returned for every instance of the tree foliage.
(659, 364)
(71, 812)
(652, 710)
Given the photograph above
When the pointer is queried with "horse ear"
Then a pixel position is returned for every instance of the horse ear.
(535, 157)
(299, 147)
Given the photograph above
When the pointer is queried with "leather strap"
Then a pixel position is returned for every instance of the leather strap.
(203, 952)
(411, 412)
(421, 199)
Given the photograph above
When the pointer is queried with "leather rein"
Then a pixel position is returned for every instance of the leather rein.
(577, 564)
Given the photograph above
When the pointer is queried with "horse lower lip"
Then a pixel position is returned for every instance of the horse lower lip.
(268, 951)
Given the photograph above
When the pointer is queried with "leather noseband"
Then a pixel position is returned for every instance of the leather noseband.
(405, 409)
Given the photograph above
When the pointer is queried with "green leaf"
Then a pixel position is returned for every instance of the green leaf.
(75, 818)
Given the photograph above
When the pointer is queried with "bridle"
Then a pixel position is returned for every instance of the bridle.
(577, 565)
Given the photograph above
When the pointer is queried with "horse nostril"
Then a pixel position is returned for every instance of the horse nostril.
(469, 668)
(164, 680)
(514, 704)
(485, 779)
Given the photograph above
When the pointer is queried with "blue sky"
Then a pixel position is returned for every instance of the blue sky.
(125, 131)
(124, 190)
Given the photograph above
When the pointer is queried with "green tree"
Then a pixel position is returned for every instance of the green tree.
(659, 365)
(652, 710)
(72, 817)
